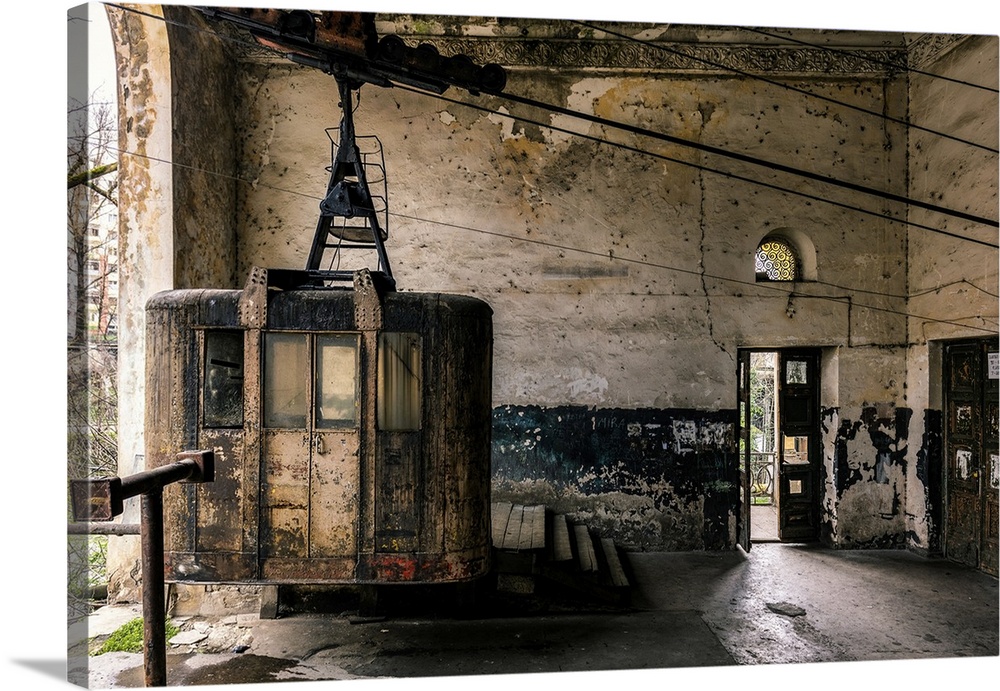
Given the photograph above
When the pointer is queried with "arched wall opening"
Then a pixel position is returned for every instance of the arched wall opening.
(799, 245)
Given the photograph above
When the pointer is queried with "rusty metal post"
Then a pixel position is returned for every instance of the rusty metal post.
(154, 636)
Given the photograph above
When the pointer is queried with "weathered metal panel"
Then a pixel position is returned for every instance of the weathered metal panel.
(428, 568)
(251, 461)
(171, 352)
(327, 310)
(285, 494)
(308, 570)
(462, 422)
(334, 486)
(366, 453)
(400, 493)
(220, 503)
(210, 567)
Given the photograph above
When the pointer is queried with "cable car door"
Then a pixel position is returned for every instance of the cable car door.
(798, 447)
(310, 447)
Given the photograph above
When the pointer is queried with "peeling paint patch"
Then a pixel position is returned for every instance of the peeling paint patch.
(652, 479)
(869, 474)
(928, 471)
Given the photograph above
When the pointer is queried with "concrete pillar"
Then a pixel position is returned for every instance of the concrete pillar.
(146, 248)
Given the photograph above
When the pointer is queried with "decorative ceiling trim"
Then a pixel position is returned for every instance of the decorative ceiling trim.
(674, 50)
(666, 57)
(928, 48)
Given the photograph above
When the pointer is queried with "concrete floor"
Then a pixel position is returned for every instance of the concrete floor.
(779, 604)
(764, 523)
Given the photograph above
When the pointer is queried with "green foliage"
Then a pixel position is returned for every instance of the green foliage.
(128, 637)
(97, 557)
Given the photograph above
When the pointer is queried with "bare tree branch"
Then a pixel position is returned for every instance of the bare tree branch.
(85, 177)
(103, 193)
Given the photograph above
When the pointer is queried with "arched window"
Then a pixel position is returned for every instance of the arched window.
(777, 260)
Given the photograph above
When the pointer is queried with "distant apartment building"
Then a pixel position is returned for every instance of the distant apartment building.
(101, 276)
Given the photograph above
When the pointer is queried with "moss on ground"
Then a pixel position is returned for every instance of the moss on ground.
(128, 637)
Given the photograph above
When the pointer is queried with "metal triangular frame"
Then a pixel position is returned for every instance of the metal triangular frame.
(348, 196)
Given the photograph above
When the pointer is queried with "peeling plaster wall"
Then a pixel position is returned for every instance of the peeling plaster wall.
(865, 432)
(176, 222)
(622, 283)
(204, 183)
(146, 249)
(662, 479)
(949, 279)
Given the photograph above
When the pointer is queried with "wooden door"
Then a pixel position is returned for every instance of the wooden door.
(743, 379)
(798, 446)
(971, 459)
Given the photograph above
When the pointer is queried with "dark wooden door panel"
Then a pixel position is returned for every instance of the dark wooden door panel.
(743, 379)
(799, 458)
(971, 459)
(989, 559)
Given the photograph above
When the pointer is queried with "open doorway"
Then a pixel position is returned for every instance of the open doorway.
(763, 441)
(779, 445)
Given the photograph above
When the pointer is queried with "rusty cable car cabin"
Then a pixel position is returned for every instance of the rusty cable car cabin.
(351, 428)
(350, 425)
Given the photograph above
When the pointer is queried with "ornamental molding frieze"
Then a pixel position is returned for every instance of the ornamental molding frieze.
(667, 58)
(928, 48)
(533, 44)
(606, 54)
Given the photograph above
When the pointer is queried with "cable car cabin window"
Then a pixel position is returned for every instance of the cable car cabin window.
(286, 380)
(336, 381)
(288, 374)
(223, 386)
(399, 381)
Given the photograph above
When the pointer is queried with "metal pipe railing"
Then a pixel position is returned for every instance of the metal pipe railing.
(104, 498)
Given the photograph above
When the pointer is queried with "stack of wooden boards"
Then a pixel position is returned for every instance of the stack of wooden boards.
(534, 549)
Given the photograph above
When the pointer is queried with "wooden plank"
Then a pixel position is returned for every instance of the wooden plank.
(615, 569)
(527, 528)
(538, 529)
(532, 528)
(500, 513)
(561, 550)
(585, 548)
(513, 532)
